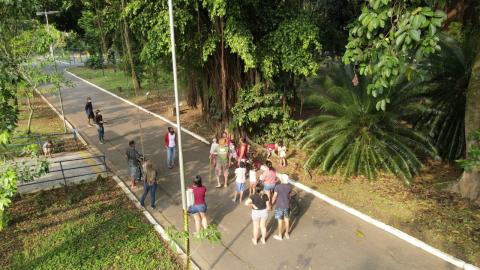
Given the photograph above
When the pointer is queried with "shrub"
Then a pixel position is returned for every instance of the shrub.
(94, 62)
(262, 115)
(353, 137)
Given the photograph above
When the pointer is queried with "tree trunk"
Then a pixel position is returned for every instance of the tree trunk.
(223, 73)
(469, 184)
(136, 83)
(30, 114)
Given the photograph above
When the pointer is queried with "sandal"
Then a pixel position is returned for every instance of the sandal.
(218, 186)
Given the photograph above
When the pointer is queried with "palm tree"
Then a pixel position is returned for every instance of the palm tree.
(352, 137)
(445, 89)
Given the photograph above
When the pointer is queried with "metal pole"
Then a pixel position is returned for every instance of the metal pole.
(179, 132)
(48, 27)
(55, 64)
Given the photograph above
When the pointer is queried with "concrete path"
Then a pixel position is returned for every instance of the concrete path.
(78, 167)
(322, 237)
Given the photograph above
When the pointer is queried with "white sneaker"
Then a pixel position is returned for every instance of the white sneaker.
(277, 237)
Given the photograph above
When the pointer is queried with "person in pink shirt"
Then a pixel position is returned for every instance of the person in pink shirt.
(199, 207)
(269, 178)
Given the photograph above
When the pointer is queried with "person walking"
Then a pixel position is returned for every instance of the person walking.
(171, 146)
(269, 178)
(260, 204)
(133, 162)
(252, 178)
(99, 122)
(240, 177)
(222, 154)
(150, 184)
(281, 197)
(199, 208)
(282, 154)
(243, 151)
(89, 111)
(213, 157)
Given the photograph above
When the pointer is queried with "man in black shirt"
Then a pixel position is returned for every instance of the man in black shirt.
(133, 162)
(99, 123)
(89, 111)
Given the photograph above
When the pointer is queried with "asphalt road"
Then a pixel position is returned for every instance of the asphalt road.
(323, 237)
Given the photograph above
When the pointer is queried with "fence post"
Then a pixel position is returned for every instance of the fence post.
(105, 165)
(63, 175)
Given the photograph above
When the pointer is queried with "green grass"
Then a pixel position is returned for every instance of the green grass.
(425, 210)
(92, 226)
(120, 82)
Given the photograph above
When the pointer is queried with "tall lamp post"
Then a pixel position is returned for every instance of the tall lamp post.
(179, 129)
(46, 13)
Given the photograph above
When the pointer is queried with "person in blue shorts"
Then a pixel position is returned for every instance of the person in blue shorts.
(240, 177)
(281, 197)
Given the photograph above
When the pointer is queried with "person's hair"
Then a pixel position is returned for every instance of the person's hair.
(50, 141)
(132, 142)
(150, 174)
(242, 164)
(170, 129)
(269, 164)
(243, 140)
(281, 143)
(222, 141)
(197, 181)
(89, 98)
(224, 134)
(258, 188)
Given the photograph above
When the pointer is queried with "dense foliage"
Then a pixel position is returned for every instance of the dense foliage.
(352, 137)
(262, 116)
(386, 35)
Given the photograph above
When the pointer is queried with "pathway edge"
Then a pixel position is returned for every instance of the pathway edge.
(158, 228)
(196, 136)
(387, 228)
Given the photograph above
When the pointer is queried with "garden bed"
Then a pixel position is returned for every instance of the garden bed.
(89, 226)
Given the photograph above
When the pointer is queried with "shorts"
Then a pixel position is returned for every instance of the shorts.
(268, 187)
(281, 213)
(239, 187)
(283, 155)
(134, 172)
(220, 169)
(259, 214)
(197, 208)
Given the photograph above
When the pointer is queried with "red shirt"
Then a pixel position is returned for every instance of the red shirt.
(199, 194)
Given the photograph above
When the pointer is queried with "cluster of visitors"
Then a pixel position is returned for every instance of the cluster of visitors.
(268, 190)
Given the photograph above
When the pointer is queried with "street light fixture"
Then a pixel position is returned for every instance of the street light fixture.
(46, 13)
(179, 129)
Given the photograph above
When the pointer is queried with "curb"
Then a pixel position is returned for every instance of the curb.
(196, 136)
(158, 228)
(387, 228)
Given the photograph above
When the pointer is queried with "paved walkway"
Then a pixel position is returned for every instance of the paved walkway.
(322, 237)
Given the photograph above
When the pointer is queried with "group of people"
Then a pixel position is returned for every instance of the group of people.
(265, 191)
(97, 118)
(266, 188)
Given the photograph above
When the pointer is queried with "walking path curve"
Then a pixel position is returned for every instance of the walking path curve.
(322, 236)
